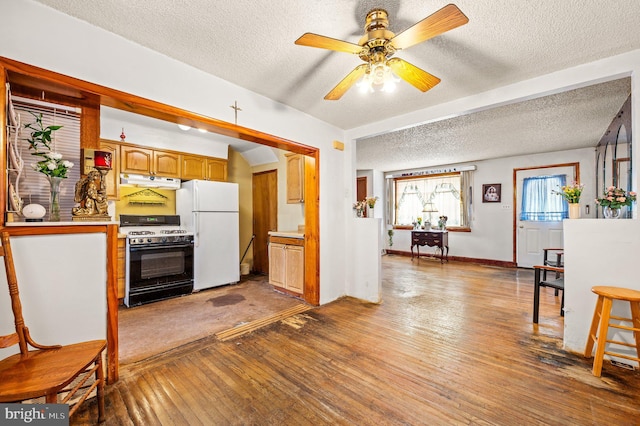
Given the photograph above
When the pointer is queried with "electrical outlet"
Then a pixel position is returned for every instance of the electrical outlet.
(506, 207)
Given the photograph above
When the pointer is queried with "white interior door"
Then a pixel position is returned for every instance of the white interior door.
(532, 236)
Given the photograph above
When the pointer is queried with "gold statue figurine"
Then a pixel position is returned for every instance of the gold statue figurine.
(91, 194)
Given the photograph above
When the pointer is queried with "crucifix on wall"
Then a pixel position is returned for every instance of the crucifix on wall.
(235, 108)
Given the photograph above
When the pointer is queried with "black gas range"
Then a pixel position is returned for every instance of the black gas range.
(159, 258)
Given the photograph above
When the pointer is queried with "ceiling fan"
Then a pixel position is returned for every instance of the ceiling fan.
(377, 46)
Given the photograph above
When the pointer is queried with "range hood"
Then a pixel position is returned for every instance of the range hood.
(146, 181)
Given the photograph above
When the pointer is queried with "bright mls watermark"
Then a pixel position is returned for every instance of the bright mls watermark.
(34, 414)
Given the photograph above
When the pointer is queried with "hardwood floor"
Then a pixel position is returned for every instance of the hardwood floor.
(450, 344)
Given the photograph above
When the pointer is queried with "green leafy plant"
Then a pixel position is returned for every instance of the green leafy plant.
(40, 138)
(40, 135)
(390, 234)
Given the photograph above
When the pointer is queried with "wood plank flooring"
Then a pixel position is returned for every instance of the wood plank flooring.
(450, 344)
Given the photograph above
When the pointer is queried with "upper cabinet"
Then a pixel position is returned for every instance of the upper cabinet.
(147, 161)
(203, 168)
(194, 167)
(216, 169)
(113, 177)
(295, 178)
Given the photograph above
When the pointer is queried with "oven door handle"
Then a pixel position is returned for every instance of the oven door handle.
(160, 246)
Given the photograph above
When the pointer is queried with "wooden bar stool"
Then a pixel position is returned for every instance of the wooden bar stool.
(600, 324)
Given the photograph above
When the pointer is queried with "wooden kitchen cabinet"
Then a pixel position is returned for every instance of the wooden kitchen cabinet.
(147, 161)
(136, 160)
(121, 267)
(286, 263)
(166, 164)
(193, 167)
(204, 168)
(295, 178)
(113, 177)
(216, 169)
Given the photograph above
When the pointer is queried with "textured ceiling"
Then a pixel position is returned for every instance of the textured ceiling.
(251, 43)
(545, 124)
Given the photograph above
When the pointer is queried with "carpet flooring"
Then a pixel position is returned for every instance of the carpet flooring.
(151, 329)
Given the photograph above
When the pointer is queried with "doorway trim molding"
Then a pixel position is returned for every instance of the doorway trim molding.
(576, 177)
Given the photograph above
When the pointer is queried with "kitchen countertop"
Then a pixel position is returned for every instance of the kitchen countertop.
(66, 223)
(287, 234)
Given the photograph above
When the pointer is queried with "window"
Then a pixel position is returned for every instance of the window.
(430, 197)
(539, 203)
(32, 186)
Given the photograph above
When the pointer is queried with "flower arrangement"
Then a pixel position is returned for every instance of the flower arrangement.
(442, 222)
(52, 164)
(571, 192)
(360, 205)
(616, 197)
(371, 201)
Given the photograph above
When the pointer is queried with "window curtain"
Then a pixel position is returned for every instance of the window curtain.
(466, 183)
(539, 203)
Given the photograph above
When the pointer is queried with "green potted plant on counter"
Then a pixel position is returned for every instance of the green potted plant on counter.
(51, 164)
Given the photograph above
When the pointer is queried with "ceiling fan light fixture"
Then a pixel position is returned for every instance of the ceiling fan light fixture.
(378, 44)
(379, 78)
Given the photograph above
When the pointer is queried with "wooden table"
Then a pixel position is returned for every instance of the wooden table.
(431, 238)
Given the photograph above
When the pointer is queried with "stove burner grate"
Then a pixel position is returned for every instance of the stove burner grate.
(173, 231)
(141, 233)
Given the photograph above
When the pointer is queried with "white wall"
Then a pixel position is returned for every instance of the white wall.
(62, 281)
(100, 57)
(491, 235)
(598, 252)
(367, 267)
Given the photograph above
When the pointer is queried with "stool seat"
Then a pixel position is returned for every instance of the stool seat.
(601, 322)
(617, 293)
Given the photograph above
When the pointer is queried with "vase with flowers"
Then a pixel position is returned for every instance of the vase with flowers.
(613, 200)
(442, 222)
(359, 207)
(571, 193)
(51, 164)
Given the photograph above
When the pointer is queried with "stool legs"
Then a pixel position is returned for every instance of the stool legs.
(635, 316)
(600, 328)
(593, 336)
(601, 342)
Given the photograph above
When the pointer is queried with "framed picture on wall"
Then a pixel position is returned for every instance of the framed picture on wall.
(491, 192)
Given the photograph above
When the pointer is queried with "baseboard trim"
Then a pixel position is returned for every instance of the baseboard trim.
(489, 262)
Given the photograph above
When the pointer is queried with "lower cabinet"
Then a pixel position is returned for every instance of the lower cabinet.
(286, 264)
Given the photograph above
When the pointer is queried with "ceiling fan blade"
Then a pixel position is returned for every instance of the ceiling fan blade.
(445, 19)
(337, 92)
(413, 75)
(315, 40)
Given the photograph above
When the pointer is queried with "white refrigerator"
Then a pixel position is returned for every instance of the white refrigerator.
(210, 210)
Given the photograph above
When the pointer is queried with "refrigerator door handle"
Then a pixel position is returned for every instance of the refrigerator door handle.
(196, 197)
(196, 230)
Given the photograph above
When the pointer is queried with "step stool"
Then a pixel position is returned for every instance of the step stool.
(601, 322)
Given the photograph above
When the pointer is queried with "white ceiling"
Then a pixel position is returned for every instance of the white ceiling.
(251, 43)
